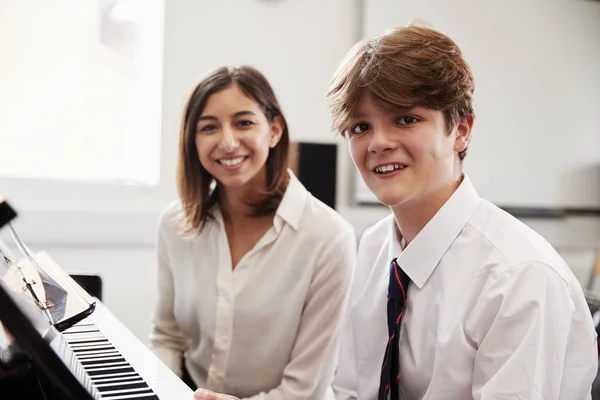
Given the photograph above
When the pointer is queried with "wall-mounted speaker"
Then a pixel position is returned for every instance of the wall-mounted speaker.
(315, 165)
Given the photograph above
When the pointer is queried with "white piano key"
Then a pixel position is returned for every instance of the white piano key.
(108, 367)
(118, 383)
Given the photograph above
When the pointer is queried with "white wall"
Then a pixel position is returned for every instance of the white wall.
(297, 43)
(109, 229)
(536, 139)
(537, 70)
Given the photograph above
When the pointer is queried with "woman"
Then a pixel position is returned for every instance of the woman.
(253, 270)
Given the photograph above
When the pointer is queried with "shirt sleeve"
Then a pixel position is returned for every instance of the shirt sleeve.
(309, 373)
(346, 375)
(166, 340)
(533, 339)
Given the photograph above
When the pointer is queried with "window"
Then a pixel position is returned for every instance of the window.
(80, 90)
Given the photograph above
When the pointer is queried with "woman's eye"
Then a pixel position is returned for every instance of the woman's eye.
(359, 128)
(245, 123)
(407, 120)
(207, 128)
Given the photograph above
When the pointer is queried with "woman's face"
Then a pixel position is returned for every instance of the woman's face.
(234, 137)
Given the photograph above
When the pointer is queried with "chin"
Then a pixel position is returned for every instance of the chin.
(390, 198)
(233, 181)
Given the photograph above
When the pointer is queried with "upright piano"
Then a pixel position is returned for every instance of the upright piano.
(96, 358)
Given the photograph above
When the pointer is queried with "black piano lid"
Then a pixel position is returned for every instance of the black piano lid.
(32, 332)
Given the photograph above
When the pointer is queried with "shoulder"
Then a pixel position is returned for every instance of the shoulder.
(520, 268)
(373, 245)
(170, 219)
(325, 222)
(376, 237)
(533, 288)
(513, 245)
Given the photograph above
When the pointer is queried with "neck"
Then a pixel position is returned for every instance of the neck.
(233, 201)
(234, 206)
(412, 217)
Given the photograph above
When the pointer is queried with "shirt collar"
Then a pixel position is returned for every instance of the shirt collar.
(290, 208)
(420, 258)
(292, 204)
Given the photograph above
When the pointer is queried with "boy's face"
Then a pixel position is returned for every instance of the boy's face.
(406, 157)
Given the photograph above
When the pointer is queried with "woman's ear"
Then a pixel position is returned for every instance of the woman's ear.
(276, 131)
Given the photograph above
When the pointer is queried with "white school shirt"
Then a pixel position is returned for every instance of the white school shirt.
(268, 329)
(493, 312)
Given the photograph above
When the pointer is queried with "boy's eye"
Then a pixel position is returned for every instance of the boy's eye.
(407, 120)
(359, 128)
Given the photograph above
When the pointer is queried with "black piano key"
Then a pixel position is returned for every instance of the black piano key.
(82, 331)
(141, 397)
(92, 350)
(99, 362)
(127, 393)
(109, 388)
(97, 356)
(107, 359)
(117, 370)
(81, 350)
(84, 342)
(107, 367)
(130, 396)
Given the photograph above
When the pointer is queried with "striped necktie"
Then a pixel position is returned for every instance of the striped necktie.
(390, 370)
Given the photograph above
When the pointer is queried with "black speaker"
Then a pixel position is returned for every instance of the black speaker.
(315, 165)
(7, 213)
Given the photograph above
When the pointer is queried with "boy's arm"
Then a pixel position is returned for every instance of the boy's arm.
(346, 375)
(533, 341)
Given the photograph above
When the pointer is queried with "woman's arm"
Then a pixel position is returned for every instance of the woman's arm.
(166, 339)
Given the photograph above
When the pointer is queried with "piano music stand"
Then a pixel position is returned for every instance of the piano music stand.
(21, 318)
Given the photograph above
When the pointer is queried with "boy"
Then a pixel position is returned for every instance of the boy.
(452, 297)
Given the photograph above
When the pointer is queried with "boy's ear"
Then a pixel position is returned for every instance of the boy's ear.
(463, 133)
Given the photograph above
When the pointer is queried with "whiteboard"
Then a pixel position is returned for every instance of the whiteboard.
(536, 139)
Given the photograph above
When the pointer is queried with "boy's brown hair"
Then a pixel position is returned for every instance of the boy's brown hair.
(194, 183)
(403, 68)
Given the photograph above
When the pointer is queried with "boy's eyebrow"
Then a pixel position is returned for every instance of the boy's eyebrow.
(387, 109)
(393, 109)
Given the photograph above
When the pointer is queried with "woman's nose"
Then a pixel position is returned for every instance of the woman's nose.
(228, 141)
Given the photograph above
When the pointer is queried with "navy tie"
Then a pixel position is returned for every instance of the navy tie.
(390, 370)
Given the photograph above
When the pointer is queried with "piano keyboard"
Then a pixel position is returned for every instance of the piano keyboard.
(112, 363)
(106, 369)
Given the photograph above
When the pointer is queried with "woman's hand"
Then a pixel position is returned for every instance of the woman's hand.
(202, 394)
